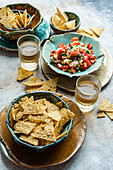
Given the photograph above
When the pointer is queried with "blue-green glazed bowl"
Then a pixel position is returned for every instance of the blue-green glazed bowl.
(71, 16)
(38, 95)
(54, 42)
(15, 34)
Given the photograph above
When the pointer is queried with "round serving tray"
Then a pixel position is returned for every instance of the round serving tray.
(104, 73)
(19, 154)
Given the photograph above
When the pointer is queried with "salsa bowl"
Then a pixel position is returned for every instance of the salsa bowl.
(55, 40)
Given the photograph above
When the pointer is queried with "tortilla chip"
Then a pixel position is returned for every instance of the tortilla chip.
(29, 139)
(24, 127)
(24, 18)
(41, 88)
(66, 115)
(44, 132)
(23, 74)
(14, 113)
(97, 31)
(70, 24)
(54, 112)
(52, 84)
(3, 12)
(9, 11)
(33, 82)
(11, 120)
(6, 23)
(101, 115)
(59, 104)
(110, 115)
(61, 135)
(19, 115)
(106, 106)
(88, 31)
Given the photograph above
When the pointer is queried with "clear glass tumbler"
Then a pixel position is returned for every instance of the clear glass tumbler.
(87, 92)
(29, 51)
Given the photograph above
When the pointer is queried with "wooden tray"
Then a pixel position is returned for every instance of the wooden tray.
(104, 73)
(55, 155)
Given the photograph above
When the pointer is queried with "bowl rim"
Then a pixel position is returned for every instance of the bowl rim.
(69, 29)
(16, 10)
(38, 148)
(22, 31)
(77, 74)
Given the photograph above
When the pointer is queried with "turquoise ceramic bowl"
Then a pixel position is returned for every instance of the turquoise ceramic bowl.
(72, 16)
(15, 34)
(39, 95)
(54, 42)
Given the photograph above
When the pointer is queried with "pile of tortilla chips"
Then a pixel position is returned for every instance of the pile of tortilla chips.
(105, 108)
(91, 32)
(61, 21)
(14, 20)
(39, 122)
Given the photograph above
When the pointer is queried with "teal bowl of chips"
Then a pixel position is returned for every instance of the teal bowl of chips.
(10, 27)
(53, 44)
(39, 120)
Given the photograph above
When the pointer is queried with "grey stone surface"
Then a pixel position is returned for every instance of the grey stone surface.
(96, 152)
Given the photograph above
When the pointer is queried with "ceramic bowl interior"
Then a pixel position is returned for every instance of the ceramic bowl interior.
(21, 11)
(39, 95)
(72, 16)
(14, 35)
(54, 42)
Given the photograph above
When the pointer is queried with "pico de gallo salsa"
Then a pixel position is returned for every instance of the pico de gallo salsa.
(73, 57)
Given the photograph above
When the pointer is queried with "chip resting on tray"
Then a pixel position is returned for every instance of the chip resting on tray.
(38, 122)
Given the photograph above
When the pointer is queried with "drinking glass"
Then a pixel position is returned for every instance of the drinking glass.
(87, 92)
(29, 51)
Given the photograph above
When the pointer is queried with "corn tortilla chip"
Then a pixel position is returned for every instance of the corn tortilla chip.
(101, 115)
(46, 132)
(3, 12)
(33, 82)
(106, 106)
(110, 115)
(97, 31)
(70, 24)
(41, 88)
(59, 104)
(62, 15)
(88, 31)
(23, 74)
(24, 127)
(52, 84)
(29, 139)
(61, 135)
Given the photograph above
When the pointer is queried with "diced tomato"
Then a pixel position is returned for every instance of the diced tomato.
(74, 39)
(65, 67)
(88, 63)
(59, 66)
(85, 58)
(73, 70)
(90, 46)
(73, 53)
(60, 45)
(60, 50)
(91, 57)
(91, 51)
(76, 43)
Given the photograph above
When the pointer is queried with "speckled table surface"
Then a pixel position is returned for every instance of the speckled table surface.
(97, 149)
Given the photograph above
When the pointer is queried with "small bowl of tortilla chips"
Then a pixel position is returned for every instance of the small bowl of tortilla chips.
(63, 22)
(39, 120)
(18, 19)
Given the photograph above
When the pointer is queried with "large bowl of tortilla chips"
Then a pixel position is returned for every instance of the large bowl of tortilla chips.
(7, 18)
(39, 120)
